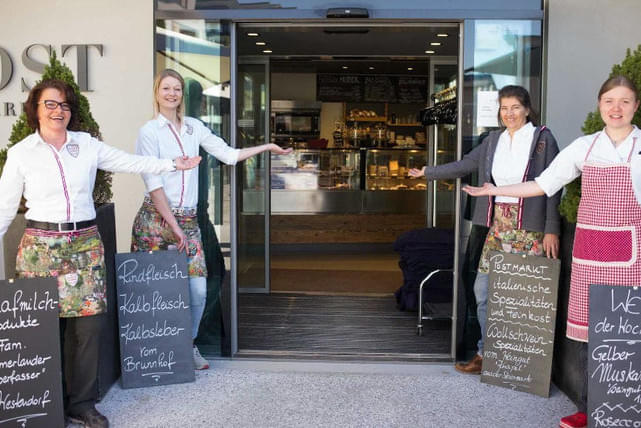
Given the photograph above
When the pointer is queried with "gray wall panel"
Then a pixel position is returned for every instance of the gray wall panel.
(585, 38)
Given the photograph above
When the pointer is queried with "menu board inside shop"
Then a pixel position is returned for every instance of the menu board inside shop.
(379, 89)
(521, 314)
(339, 88)
(411, 90)
(154, 318)
(614, 356)
(30, 371)
(371, 88)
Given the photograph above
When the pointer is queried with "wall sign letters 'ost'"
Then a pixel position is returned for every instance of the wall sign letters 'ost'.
(30, 375)
(614, 357)
(521, 314)
(154, 319)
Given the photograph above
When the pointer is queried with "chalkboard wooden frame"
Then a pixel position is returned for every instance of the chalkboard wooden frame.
(614, 356)
(154, 319)
(521, 318)
(30, 365)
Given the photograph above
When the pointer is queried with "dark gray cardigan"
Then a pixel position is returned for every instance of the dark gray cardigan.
(540, 213)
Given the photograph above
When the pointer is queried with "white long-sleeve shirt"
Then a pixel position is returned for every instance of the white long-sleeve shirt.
(568, 164)
(511, 157)
(159, 138)
(58, 185)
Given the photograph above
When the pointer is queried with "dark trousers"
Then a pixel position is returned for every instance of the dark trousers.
(80, 346)
(581, 351)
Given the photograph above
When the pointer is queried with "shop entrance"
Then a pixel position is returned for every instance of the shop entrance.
(321, 231)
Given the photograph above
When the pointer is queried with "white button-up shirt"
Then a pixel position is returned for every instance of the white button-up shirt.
(58, 185)
(511, 158)
(568, 164)
(159, 138)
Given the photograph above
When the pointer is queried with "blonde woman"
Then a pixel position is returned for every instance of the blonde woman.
(167, 216)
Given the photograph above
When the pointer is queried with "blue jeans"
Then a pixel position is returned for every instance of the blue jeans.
(480, 292)
(197, 299)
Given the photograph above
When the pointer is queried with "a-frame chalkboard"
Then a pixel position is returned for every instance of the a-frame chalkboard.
(154, 319)
(30, 371)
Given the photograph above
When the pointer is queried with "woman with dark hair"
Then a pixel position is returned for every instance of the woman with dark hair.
(55, 169)
(167, 216)
(518, 152)
(607, 241)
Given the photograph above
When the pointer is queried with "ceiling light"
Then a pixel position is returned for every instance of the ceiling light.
(371, 68)
(441, 35)
(435, 44)
(429, 52)
(252, 34)
(267, 51)
(260, 43)
(410, 68)
(344, 67)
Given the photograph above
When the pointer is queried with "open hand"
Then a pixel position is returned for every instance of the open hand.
(181, 239)
(416, 173)
(278, 150)
(485, 190)
(551, 245)
(187, 163)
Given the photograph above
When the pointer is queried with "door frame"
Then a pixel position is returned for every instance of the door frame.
(264, 61)
(234, 289)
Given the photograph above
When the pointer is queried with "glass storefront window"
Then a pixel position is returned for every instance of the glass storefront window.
(497, 53)
(200, 51)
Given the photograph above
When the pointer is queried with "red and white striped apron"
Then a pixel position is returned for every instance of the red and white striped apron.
(607, 242)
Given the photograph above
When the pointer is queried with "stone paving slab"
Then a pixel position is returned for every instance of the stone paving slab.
(307, 394)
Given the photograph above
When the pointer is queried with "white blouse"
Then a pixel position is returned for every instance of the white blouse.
(568, 164)
(159, 138)
(58, 185)
(511, 158)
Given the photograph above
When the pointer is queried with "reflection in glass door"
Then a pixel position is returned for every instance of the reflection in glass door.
(253, 176)
(443, 140)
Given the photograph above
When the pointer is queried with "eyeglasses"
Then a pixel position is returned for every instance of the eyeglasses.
(52, 105)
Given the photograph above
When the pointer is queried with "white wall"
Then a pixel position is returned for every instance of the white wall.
(585, 38)
(121, 79)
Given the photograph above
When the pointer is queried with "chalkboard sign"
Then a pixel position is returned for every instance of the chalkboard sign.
(521, 314)
(614, 357)
(379, 89)
(374, 88)
(339, 87)
(154, 318)
(30, 371)
(411, 90)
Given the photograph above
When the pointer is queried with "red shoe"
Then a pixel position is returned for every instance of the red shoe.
(577, 420)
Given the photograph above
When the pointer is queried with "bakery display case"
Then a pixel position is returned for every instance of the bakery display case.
(387, 187)
(316, 181)
(316, 169)
(347, 181)
(387, 169)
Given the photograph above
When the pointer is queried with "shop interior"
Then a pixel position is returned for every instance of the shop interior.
(318, 267)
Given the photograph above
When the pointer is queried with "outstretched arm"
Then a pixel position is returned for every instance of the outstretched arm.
(520, 190)
(251, 151)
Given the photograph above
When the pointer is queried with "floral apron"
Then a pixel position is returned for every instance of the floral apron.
(149, 233)
(505, 236)
(607, 239)
(76, 258)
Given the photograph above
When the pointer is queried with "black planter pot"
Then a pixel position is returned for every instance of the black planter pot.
(109, 363)
(567, 370)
